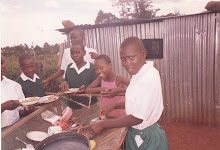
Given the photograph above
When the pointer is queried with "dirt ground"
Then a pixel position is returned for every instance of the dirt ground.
(191, 137)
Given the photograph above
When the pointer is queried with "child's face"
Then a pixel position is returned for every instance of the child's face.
(77, 54)
(102, 68)
(76, 38)
(28, 68)
(132, 58)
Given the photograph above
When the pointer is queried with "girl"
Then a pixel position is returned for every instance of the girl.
(111, 85)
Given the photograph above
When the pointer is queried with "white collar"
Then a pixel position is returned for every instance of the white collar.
(5, 80)
(148, 64)
(25, 78)
(86, 66)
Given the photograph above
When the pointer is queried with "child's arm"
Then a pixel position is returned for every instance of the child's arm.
(64, 86)
(53, 77)
(93, 87)
(10, 105)
(125, 121)
(121, 81)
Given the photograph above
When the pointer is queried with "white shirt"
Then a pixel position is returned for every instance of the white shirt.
(66, 60)
(25, 78)
(86, 66)
(10, 90)
(143, 97)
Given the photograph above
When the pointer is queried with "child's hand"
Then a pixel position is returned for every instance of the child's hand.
(105, 110)
(64, 86)
(81, 89)
(30, 108)
(46, 82)
(110, 92)
(93, 55)
(97, 127)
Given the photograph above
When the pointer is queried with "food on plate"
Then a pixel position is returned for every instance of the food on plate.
(29, 99)
(72, 90)
(48, 99)
(92, 143)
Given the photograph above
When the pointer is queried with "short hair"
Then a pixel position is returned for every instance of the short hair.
(25, 57)
(104, 57)
(132, 41)
(78, 44)
(80, 31)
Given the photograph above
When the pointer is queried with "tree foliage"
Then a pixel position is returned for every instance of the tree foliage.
(105, 18)
(135, 9)
(17, 50)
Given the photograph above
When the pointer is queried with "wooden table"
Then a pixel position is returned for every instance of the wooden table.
(110, 139)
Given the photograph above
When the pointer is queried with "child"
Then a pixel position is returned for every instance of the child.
(31, 84)
(11, 93)
(111, 85)
(143, 101)
(77, 36)
(77, 74)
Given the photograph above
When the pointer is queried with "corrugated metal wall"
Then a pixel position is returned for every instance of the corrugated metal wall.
(189, 69)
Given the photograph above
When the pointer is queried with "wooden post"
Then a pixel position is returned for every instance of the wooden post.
(61, 51)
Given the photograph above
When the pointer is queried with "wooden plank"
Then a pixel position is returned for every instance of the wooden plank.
(110, 139)
(10, 129)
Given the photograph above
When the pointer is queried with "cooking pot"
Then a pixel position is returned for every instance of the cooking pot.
(64, 141)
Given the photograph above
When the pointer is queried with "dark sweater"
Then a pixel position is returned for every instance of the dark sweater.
(76, 80)
(31, 89)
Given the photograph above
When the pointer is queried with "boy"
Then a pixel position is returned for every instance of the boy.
(31, 84)
(11, 93)
(77, 74)
(143, 101)
(77, 36)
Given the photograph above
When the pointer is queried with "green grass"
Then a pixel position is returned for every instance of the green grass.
(49, 68)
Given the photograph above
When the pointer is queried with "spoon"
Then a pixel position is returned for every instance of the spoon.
(27, 145)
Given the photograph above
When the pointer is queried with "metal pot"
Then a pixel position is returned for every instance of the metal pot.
(64, 141)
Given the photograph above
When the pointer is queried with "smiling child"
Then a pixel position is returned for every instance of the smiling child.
(31, 84)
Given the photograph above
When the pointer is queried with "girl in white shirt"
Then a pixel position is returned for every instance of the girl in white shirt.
(143, 101)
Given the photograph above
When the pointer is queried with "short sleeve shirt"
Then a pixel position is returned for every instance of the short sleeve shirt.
(66, 60)
(10, 90)
(143, 97)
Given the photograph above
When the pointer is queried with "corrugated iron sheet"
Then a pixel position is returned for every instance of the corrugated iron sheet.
(189, 71)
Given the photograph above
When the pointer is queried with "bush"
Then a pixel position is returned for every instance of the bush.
(49, 68)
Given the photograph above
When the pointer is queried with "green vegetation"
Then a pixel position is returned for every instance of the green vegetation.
(49, 67)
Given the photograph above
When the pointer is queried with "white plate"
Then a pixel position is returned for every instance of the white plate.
(95, 120)
(29, 100)
(72, 90)
(48, 99)
(37, 135)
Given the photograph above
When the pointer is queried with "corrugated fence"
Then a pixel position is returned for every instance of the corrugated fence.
(190, 68)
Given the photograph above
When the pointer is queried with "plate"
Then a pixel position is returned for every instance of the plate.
(48, 99)
(37, 135)
(72, 90)
(29, 100)
(95, 120)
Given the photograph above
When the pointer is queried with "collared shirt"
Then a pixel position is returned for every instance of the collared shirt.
(143, 97)
(25, 78)
(66, 60)
(86, 66)
(10, 90)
